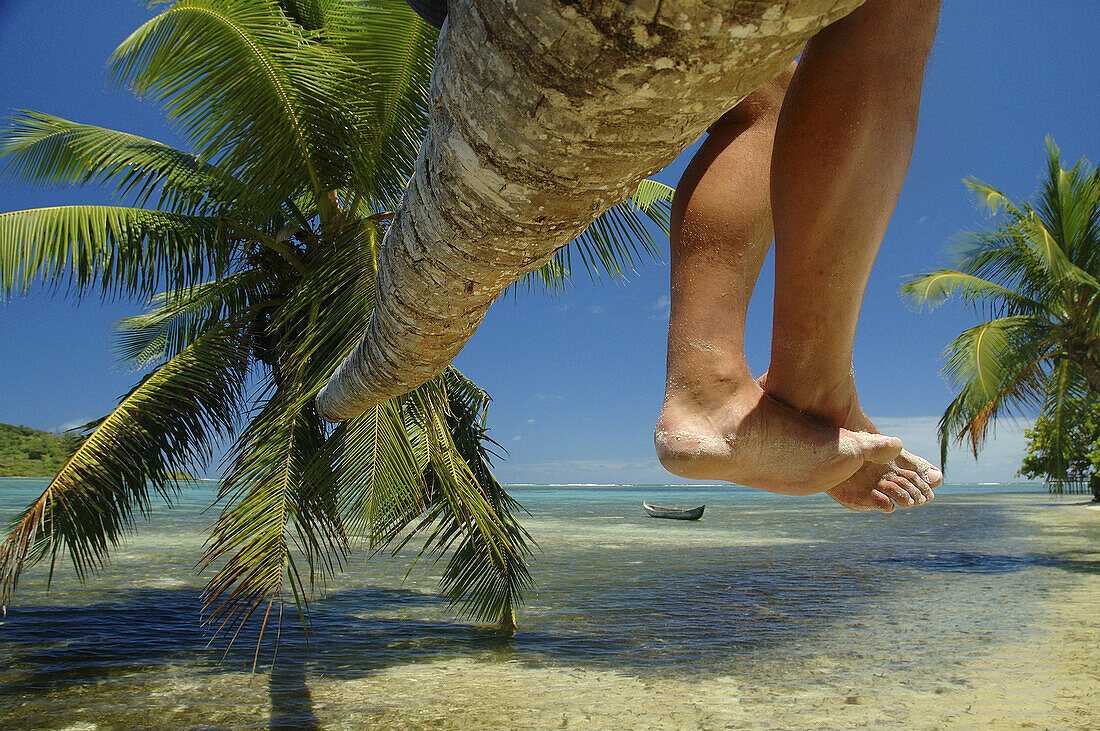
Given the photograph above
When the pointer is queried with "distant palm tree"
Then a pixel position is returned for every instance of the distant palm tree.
(1036, 275)
(305, 119)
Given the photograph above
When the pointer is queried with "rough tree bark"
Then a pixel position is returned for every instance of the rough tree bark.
(544, 113)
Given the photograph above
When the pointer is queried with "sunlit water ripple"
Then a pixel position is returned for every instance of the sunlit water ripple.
(769, 612)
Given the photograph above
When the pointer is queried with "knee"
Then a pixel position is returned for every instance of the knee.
(763, 103)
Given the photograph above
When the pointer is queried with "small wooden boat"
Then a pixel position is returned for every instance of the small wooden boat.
(656, 511)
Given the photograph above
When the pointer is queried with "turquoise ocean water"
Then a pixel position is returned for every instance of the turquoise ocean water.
(770, 612)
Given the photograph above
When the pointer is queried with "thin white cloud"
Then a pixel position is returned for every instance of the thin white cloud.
(72, 424)
(607, 471)
(663, 307)
(517, 438)
(530, 421)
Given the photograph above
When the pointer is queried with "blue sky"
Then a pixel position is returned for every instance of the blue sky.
(577, 379)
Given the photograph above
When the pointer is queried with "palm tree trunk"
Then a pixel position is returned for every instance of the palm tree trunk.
(1090, 365)
(541, 119)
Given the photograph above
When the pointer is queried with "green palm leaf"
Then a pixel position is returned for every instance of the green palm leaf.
(487, 574)
(993, 200)
(175, 319)
(484, 589)
(935, 287)
(1069, 206)
(382, 484)
(232, 73)
(970, 415)
(394, 51)
(123, 251)
(615, 242)
(310, 14)
(273, 519)
(168, 422)
(985, 357)
(283, 508)
(1067, 388)
(1047, 250)
(1000, 256)
(49, 150)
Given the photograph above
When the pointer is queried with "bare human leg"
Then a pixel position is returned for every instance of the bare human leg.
(716, 422)
(843, 143)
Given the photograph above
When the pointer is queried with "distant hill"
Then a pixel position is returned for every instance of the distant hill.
(26, 452)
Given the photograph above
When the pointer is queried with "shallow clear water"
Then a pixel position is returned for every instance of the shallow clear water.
(977, 610)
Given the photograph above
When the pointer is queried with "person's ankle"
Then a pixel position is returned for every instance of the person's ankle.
(833, 401)
(707, 388)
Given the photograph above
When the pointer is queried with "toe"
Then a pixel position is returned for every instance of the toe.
(933, 477)
(928, 473)
(877, 448)
(924, 482)
(882, 503)
(915, 485)
(897, 493)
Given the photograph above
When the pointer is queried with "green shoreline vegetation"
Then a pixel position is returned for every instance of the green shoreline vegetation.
(26, 452)
(1033, 272)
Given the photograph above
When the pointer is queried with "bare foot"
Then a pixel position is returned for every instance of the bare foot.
(905, 481)
(734, 432)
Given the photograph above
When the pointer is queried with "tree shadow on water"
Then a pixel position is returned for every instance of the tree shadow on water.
(738, 605)
(51, 651)
(971, 562)
(54, 652)
(995, 563)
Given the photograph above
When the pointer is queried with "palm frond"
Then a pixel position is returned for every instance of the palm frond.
(614, 243)
(487, 573)
(233, 73)
(332, 302)
(310, 14)
(375, 467)
(382, 486)
(484, 589)
(123, 251)
(935, 287)
(993, 200)
(1047, 250)
(175, 319)
(969, 416)
(273, 519)
(48, 150)
(1066, 390)
(655, 199)
(983, 358)
(168, 422)
(283, 512)
(995, 366)
(1068, 204)
(1000, 255)
(394, 51)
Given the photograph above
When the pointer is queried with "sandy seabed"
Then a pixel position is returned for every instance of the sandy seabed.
(1052, 682)
(937, 651)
